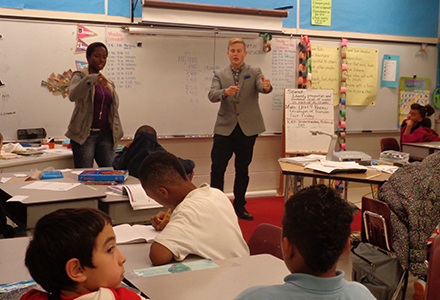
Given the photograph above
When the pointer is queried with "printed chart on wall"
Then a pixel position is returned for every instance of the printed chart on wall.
(167, 80)
(361, 67)
(412, 90)
(307, 110)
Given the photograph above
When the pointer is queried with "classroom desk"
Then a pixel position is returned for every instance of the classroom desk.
(291, 173)
(39, 202)
(26, 163)
(12, 254)
(232, 277)
(418, 151)
(225, 282)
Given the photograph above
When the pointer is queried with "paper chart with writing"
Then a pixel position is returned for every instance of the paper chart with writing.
(326, 69)
(321, 12)
(362, 69)
(306, 110)
(362, 76)
(390, 71)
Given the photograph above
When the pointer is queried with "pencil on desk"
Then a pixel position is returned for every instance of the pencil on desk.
(373, 176)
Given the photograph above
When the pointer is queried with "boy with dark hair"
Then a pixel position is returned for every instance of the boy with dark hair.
(73, 255)
(203, 221)
(144, 143)
(316, 232)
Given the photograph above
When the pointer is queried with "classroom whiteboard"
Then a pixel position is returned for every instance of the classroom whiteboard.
(161, 81)
(168, 78)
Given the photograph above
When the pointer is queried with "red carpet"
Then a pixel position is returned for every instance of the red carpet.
(270, 210)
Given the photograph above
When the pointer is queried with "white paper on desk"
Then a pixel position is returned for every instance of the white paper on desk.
(21, 175)
(385, 168)
(50, 186)
(138, 198)
(177, 268)
(59, 151)
(5, 179)
(17, 198)
(303, 160)
(328, 166)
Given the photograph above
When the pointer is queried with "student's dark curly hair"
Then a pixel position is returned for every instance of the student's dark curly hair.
(318, 222)
(161, 168)
(91, 48)
(58, 237)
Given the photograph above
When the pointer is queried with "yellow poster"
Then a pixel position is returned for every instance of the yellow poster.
(325, 69)
(322, 12)
(362, 76)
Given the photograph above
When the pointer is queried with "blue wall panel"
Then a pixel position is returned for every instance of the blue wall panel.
(403, 17)
(121, 8)
(78, 6)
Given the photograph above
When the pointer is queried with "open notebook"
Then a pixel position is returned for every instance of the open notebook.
(138, 198)
(129, 234)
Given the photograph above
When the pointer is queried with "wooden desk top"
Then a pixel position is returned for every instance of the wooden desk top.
(293, 169)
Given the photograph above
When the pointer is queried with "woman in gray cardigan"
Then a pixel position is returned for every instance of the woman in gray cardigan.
(95, 127)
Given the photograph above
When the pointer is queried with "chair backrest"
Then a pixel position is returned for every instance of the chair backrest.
(376, 223)
(389, 144)
(266, 238)
(433, 283)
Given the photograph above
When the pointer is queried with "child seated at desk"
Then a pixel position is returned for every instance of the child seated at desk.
(203, 221)
(316, 232)
(411, 130)
(73, 255)
(144, 143)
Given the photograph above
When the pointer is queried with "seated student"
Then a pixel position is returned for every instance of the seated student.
(411, 130)
(144, 143)
(73, 255)
(316, 232)
(413, 195)
(203, 221)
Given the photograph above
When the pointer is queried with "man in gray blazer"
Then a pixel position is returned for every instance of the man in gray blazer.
(239, 121)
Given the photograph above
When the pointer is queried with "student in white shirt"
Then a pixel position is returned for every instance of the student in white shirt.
(203, 221)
